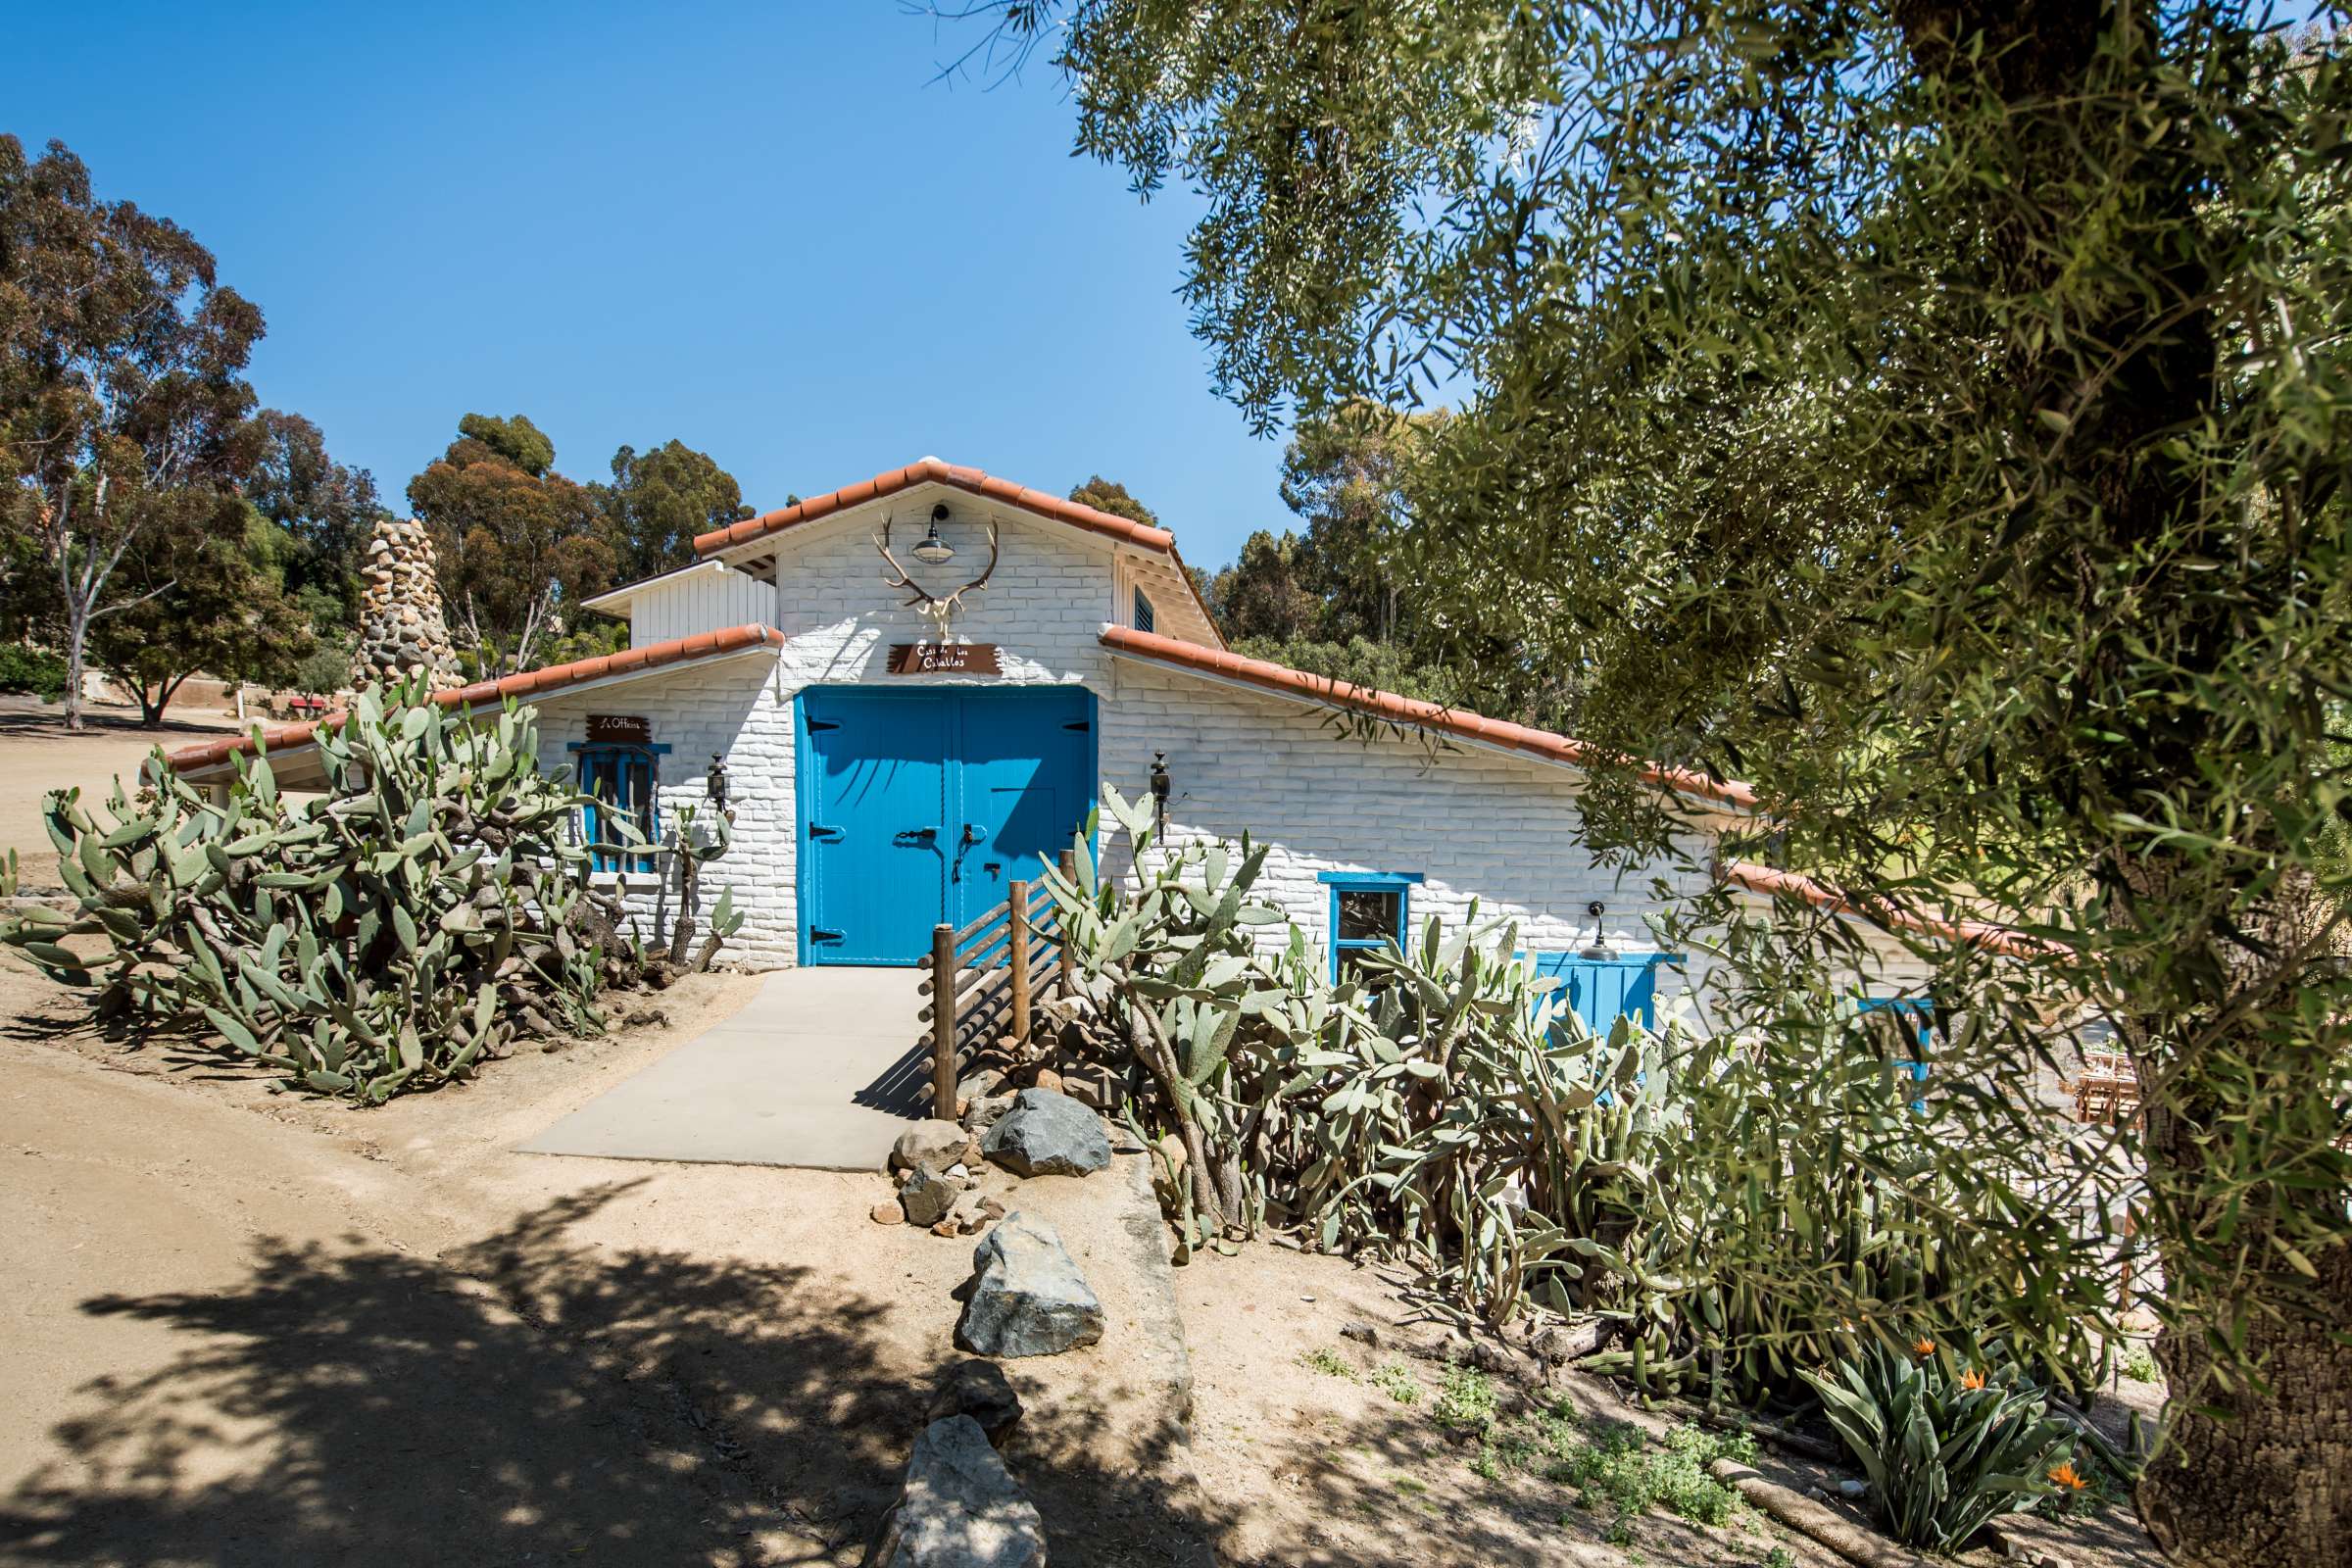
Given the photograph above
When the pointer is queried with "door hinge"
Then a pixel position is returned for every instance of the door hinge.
(823, 834)
(818, 933)
(817, 724)
(1080, 726)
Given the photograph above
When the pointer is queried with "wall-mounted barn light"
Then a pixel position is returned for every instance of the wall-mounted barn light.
(1159, 792)
(931, 548)
(715, 783)
(1598, 949)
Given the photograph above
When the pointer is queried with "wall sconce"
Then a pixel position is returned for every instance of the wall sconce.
(715, 783)
(931, 548)
(1598, 949)
(1159, 792)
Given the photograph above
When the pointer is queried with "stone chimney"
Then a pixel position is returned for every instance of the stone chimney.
(401, 630)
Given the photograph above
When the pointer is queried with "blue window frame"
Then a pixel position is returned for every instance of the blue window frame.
(619, 781)
(1368, 910)
(1918, 1018)
(1143, 612)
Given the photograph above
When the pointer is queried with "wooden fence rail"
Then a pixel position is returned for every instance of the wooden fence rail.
(993, 970)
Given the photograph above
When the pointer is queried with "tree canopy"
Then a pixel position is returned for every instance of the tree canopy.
(125, 412)
(1935, 412)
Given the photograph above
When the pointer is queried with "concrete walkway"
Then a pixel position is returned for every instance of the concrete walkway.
(823, 1070)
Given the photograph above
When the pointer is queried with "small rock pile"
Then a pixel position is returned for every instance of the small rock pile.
(936, 1164)
(403, 632)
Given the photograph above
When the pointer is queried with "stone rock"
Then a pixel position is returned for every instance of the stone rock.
(980, 1084)
(968, 1214)
(981, 1391)
(1028, 1297)
(927, 1195)
(1362, 1333)
(959, 1509)
(1047, 1134)
(937, 1144)
(982, 1112)
(888, 1214)
(402, 628)
(1047, 1078)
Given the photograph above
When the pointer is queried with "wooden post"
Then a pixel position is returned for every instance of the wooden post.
(943, 1023)
(1070, 875)
(1016, 931)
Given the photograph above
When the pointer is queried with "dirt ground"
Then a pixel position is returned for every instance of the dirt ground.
(37, 756)
(239, 1327)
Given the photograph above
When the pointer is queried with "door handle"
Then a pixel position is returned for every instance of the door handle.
(971, 836)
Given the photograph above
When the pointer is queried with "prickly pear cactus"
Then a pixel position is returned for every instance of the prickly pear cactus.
(394, 933)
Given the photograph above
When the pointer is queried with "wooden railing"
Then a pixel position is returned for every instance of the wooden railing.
(996, 968)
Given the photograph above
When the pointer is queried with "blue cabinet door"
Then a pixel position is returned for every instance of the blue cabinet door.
(918, 808)
(874, 826)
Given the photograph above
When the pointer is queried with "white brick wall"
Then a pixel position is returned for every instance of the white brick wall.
(733, 708)
(1474, 823)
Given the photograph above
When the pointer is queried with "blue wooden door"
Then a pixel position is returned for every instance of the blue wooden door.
(874, 826)
(918, 808)
(1021, 777)
(1600, 990)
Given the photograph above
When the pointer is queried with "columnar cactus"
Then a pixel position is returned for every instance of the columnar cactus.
(393, 933)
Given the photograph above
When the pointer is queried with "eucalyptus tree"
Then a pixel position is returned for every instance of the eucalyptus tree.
(1932, 411)
(123, 405)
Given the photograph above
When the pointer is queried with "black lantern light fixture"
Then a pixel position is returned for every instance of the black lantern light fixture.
(715, 783)
(931, 548)
(1159, 792)
(1597, 950)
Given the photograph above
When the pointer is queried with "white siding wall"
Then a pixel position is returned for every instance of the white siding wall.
(699, 601)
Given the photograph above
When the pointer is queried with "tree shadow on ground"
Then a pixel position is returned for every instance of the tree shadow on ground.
(532, 1397)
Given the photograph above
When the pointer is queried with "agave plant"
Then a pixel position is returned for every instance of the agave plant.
(1943, 1455)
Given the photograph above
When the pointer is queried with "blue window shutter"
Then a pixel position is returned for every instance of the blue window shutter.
(1600, 990)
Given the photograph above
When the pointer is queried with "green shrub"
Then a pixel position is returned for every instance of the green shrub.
(1943, 1455)
(33, 669)
(396, 932)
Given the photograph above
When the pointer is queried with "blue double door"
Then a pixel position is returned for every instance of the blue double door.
(918, 808)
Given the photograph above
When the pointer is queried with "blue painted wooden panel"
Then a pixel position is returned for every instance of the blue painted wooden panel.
(917, 807)
(1020, 777)
(1600, 990)
(874, 826)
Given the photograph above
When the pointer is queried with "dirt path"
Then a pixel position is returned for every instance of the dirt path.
(37, 756)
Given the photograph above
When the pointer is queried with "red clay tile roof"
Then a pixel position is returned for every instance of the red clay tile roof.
(931, 471)
(1773, 882)
(531, 683)
(1540, 743)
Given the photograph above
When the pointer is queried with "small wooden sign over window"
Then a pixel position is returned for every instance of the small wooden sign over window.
(620, 729)
(942, 658)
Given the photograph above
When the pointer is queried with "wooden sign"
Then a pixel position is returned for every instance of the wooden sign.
(942, 658)
(620, 729)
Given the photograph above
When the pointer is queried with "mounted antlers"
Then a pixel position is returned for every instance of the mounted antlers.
(938, 608)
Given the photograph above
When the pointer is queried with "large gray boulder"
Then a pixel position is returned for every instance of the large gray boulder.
(1028, 1297)
(959, 1507)
(1047, 1134)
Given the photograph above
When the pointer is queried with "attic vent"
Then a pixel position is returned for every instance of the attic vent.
(1143, 612)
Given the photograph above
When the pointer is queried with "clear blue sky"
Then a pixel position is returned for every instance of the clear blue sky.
(768, 230)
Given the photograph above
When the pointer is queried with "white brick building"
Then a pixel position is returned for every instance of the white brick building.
(872, 800)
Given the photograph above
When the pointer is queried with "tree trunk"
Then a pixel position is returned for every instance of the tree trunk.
(77, 631)
(2272, 1483)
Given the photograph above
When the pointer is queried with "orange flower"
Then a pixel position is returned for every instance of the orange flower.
(1972, 1379)
(1923, 1348)
(2065, 1475)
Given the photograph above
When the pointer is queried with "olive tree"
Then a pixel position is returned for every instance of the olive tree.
(1934, 411)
